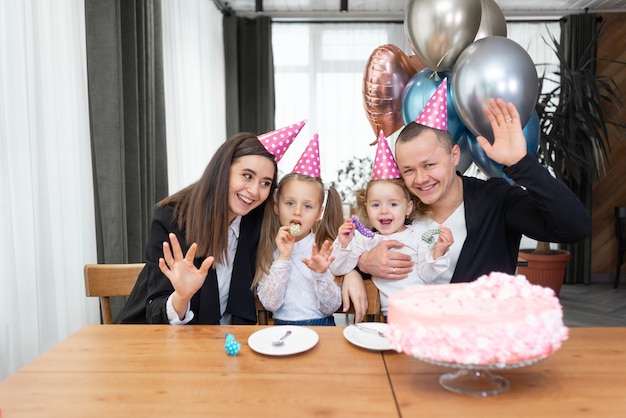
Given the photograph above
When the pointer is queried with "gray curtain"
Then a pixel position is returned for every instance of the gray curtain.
(250, 103)
(578, 41)
(127, 115)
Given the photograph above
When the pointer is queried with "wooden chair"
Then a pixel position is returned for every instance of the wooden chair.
(373, 313)
(106, 280)
(261, 313)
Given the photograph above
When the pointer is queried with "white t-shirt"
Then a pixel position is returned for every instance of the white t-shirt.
(456, 224)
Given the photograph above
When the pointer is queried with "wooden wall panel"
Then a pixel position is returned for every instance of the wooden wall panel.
(610, 191)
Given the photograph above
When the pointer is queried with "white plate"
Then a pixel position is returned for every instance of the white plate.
(301, 339)
(368, 339)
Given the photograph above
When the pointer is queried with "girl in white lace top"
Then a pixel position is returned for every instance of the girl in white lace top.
(293, 280)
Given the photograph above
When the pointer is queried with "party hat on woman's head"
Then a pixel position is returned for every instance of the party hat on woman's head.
(435, 113)
(385, 167)
(309, 162)
(277, 142)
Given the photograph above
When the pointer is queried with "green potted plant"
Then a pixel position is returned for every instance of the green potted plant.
(352, 177)
(577, 119)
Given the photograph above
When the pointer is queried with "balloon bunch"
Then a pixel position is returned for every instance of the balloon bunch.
(387, 72)
(472, 51)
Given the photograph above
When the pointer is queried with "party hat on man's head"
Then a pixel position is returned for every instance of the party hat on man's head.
(435, 113)
(309, 162)
(385, 167)
(277, 142)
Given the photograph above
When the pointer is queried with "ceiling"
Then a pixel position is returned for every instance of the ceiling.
(393, 10)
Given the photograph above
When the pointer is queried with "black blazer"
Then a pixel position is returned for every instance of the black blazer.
(497, 214)
(146, 303)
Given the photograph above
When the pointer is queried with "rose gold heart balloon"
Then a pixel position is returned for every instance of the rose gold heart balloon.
(387, 71)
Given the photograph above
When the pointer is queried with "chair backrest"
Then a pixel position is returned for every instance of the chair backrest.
(620, 226)
(373, 313)
(106, 280)
(620, 236)
(261, 313)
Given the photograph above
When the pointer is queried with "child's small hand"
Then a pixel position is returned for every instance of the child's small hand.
(444, 241)
(284, 243)
(320, 261)
(345, 233)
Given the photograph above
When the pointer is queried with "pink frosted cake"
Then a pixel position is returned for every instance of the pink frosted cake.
(497, 319)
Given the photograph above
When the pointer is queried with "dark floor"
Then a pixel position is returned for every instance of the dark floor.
(595, 305)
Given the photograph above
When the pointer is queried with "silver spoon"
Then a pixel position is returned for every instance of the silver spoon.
(364, 328)
(281, 340)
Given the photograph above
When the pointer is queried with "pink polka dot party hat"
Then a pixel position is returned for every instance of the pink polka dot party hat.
(385, 166)
(277, 142)
(435, 113)
(309, 162)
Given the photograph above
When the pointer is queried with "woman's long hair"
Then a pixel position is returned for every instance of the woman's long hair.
(202, 210)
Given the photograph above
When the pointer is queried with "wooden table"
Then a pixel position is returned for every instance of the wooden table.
(586, 377)
(183, 371)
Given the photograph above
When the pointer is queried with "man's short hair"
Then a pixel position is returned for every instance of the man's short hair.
(413, 130)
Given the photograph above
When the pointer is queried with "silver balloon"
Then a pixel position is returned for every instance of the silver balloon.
(492, 21)
(493, 67)
(439, 30)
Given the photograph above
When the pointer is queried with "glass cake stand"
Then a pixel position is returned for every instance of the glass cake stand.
(477, 379)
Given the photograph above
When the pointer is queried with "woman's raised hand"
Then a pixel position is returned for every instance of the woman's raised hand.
(181, 272)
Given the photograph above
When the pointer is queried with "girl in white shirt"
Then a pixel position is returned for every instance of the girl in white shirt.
(292, 279)
(389, 208)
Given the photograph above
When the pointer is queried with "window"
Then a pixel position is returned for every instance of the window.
(319, 71)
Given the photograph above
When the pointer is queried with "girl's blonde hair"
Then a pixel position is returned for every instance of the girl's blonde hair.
(361, 201)
(325, 229)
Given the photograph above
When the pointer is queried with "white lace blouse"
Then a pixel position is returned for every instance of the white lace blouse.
(293, 292)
